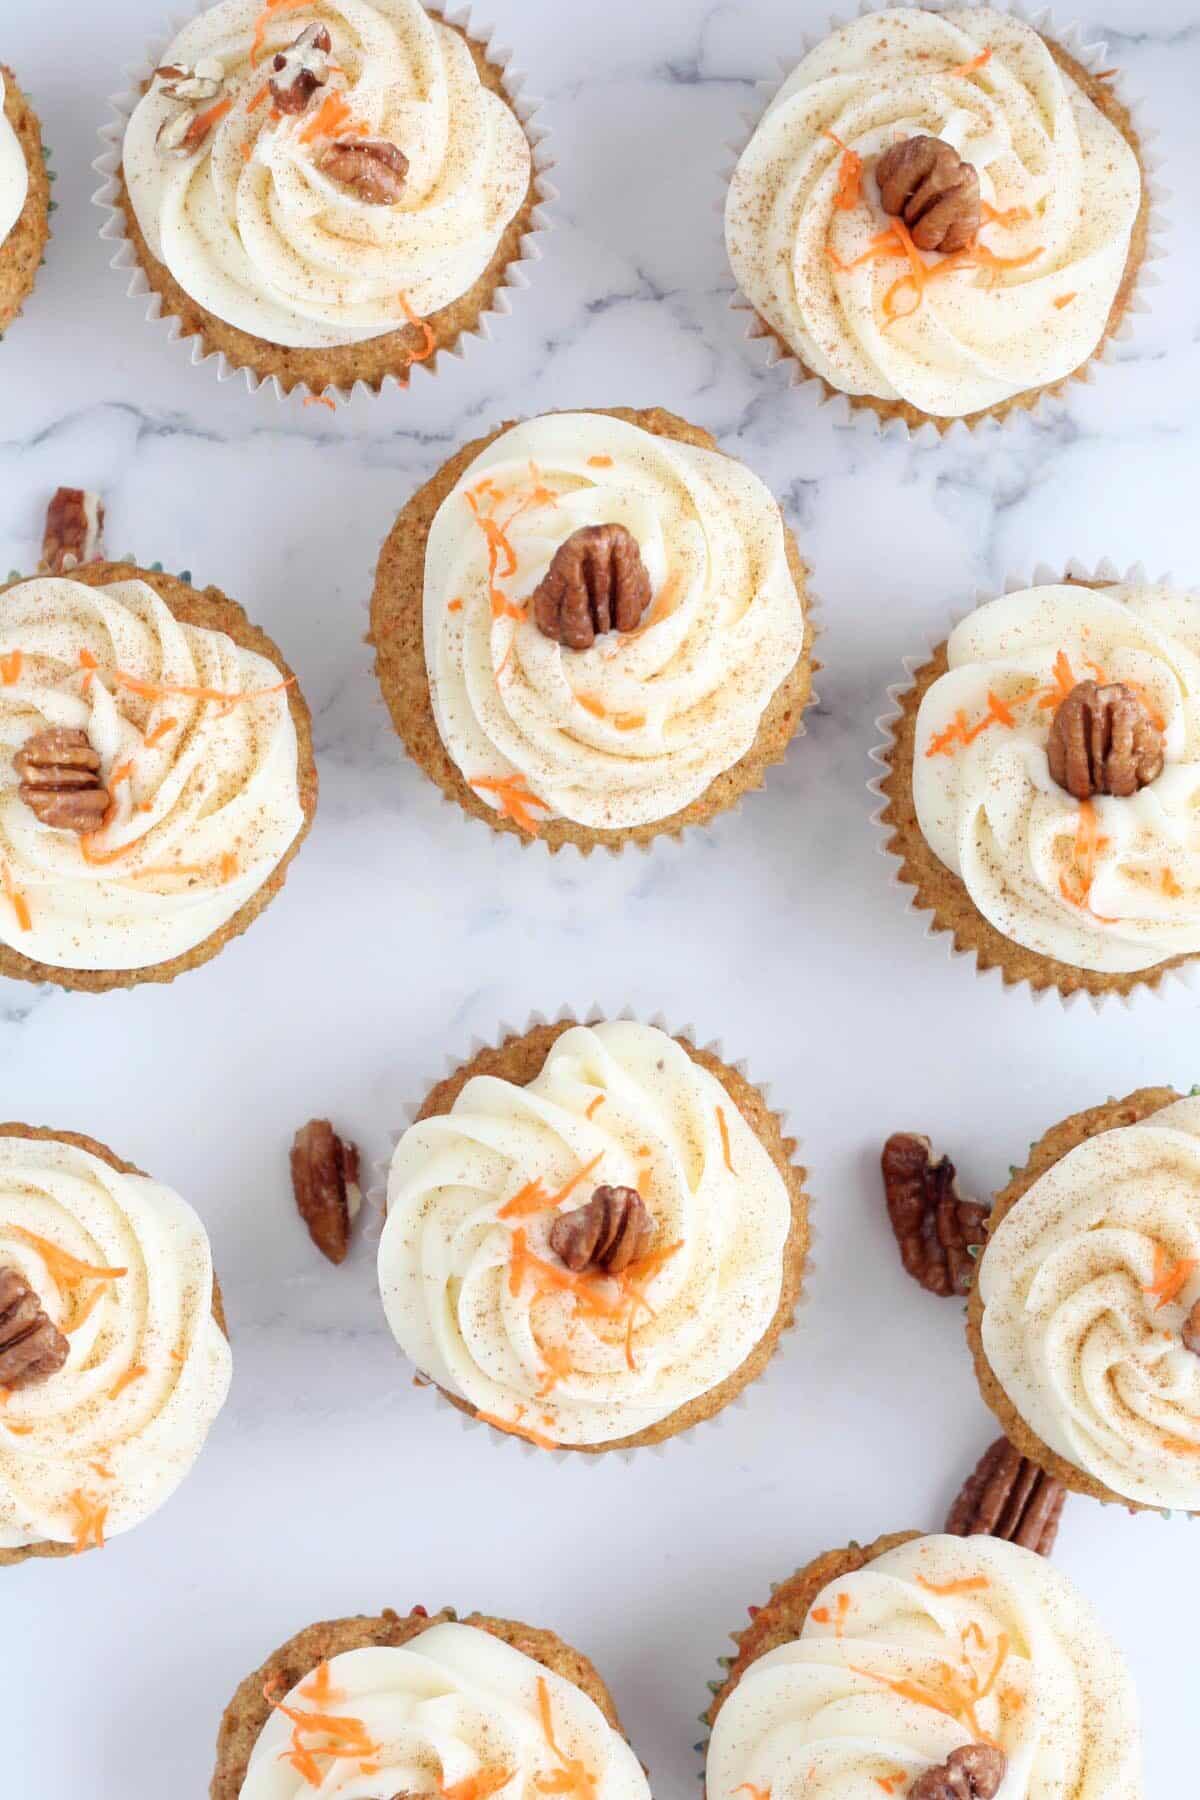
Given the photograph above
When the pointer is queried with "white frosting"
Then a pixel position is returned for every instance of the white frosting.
(452, 1711)
(14, 172)
(583, 1362)
(637, 727)
(1086, 1285)
(981, 333)
(205, 797)
(114, 1432)
(991, 811)
(270, 244)
(1017, 1658)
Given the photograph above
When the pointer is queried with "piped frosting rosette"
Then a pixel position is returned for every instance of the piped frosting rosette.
(456, 1712)
(1087, 1284)
(833, 276)
(252, 226)
(633, 729)
(940, 1644)
(14, 173)
(122, 1266)
(1109, 883)
(475, 1294)
(198, 753)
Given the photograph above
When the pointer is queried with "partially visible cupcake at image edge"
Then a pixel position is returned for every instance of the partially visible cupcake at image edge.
(156, 767)
(428, 1707)
(941, 215)
(592, 628)
(113, 1357)
(325, 194)
(1041, 785)
(24, 198)
(1084, 1318)
(595, 1236)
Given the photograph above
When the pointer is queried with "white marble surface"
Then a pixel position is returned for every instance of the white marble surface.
(331, 1485)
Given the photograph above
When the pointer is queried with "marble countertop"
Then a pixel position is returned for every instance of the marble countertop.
(330, 1484)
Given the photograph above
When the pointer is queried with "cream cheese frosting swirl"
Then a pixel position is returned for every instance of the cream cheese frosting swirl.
(253, 230)
(1112, 884)
(941, 1643)
(454, 1712)
(479, 1301)
(635, 728)
(1086, 1286)
(14, 172)
(121, 1265)
(198, 752)
(1061, 189)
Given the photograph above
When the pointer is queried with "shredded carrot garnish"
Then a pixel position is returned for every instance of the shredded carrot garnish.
(1064, 300)
(102, 1470)
(889, 1783)
(1012, 215)
(89, 665)
(319, 1687)
(1169, 885)
(723, 1128)
(158, 690)
(254, 104)
(959, 733)
(331, 117)
(340, 1737)
(821, 1614)
(68, 1272)
(513, 799)
(514, 1428)
(557, 1365)
(264, 19)
(428, 335)
(121, 773)
(320, 400)
(1170, 1278)
(1088, 845)
(10, 667)
(88, 1520)
(849, 189)
(976, 62)
(477, 1787)
(594, 1105)
(573, 1776)
(755, 1793)
(1180, 1446)
(532, 1198)
(971, 1584)
(228, 865)
(16, 899)
(131, 1375)
(455, 606)
(161, 730)
(600, 462)
(203, 123)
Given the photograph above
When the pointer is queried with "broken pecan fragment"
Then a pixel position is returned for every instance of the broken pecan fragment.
(1103, 741)
(301, 69)
(973, 1773)
(925, 182)
(372, 167)
(32, 1348)
(596, 583)
(73, 532)
(1009, 1497)
(325, 1183)
(60, 779)
(934, 1226)
(200, 84)
(613, 1230)
(1191, 1330)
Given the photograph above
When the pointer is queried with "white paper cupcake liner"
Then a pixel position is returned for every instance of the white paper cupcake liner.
(125, 258)
(593, 1015)
(1164, 984)
(846, 409)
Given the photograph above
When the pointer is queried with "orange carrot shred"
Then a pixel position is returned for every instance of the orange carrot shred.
(130, 1375)
(10, 667)
(1170, 1278)
(203, 123)
(1170, 886)
(515, 1429)
(16, 899)
(594, 1105)
(161, 730)
(514, 798)
(849, 189)
(755, 1793)
(263, 20)
(976, 62)
(88, 1522)
(971, 1584)
(1064, 300)
(331, 117)
(477, 1787)
(532, 1198)
(600, 462)
(455, 606)
(428, 335)
(723, 1128)
(573, 1777)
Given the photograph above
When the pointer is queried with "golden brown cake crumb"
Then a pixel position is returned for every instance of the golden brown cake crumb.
(22, 250)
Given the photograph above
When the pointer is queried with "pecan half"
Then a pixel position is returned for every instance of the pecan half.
(1103, 741)
(373, 168)
(925, 182)
(1191, 1330)
(73, 531)
(596, 583)
(301, 69)
(60, 779)
(972, 1773)
(325, 1183)
(613, 1230)
(32, 1348)
(935, 1227)
(199, 84)
(1009, 1497)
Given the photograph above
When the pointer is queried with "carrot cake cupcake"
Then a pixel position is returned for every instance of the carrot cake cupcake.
(431, 1708)
(326, 193)
(941, 215)
(937, 1668)
(595, 1236)
(1042, 782)
(592, 627)
(1085, 1316)
(24, 198)
(113, 1356)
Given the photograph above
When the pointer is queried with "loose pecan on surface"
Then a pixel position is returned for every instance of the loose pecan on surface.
(926, 183)
(301, 69)
(73, 532)
(935, 1227)
(613, 1230)
(1103, 741)
(597, 582)
(973, 1773)
(200, 84)
(1009, 1497)
(374, 169)
(60, 779)
(325, 1184)
(1191, 1330)
(32, 1348)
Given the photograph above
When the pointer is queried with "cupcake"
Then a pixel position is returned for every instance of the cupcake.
(113, 1356)
(1041, 785)
(595, 1236)
(424, 1706)
(937, 1668)
(1084, 1320)
(592, 628)
(156, 775)
(941, 214)
(326, 193)
(24, 198)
